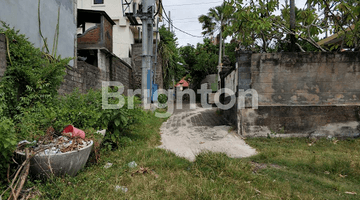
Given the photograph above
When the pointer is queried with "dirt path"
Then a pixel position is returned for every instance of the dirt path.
(189, 131)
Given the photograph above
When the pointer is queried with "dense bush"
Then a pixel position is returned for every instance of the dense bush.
(118, 121)
(30, 104)
(7, 138)
(30, 83)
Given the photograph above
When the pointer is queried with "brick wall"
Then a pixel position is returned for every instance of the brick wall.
(97, 36)
(90, 36)
(87, 76)
(108, 34)
(120, 71)
(300, 94)
(2, 55)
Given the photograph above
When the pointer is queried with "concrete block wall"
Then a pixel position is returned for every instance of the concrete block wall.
(122, 72)
(300, 94)
(2, 55)
(303, 79)
(87, 76)
(84, 77)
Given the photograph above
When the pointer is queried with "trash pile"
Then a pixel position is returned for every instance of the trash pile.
(71, 139)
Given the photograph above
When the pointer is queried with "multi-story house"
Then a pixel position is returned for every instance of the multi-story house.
(125, 33)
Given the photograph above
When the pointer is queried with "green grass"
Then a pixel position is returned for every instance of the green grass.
(291, 169)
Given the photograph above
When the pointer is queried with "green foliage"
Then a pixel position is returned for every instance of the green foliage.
(7, 138)
(203, 60)
(212, 21)
(162, 98)
(31, 77)
(172, 62)
(256, 26)
(81, 110)
(342, 17)
(118, 122)
(30, 83)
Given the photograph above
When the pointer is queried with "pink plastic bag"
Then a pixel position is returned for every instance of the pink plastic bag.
(75, 132)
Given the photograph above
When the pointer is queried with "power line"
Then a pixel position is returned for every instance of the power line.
(186, 22)
(184, 18)
(168, 20)
(182, 30)
(193, 4)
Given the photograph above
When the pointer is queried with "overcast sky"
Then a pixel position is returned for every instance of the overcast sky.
(185, 13)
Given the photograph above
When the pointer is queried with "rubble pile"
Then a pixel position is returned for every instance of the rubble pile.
(52, 144)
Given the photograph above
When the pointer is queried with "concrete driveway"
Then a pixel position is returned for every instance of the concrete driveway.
(190, 131)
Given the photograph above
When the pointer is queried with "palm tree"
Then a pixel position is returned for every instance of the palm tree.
(211, 22)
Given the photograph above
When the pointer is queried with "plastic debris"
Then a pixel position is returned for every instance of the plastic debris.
(50, 145)
(74, 132)
(132, 164)
(123, 188)
(108, 165)
(102, 132)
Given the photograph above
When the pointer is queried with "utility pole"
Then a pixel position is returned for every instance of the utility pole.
(147, 46)
(220, 48)
(146, 14)
(169, 21)
(292, 26)
(156, 46)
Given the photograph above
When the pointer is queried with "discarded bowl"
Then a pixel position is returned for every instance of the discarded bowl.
(43, 166)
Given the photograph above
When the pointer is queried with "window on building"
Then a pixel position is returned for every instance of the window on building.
(98, 1)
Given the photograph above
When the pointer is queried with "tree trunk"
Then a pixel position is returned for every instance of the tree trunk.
(292, 26)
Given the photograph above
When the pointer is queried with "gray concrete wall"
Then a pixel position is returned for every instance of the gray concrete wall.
(300, 94)
(303, 79)
(210, 79)
(23, 15)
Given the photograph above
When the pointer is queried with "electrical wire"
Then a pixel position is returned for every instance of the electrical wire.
(157, 12)
(193, 4)
(167, 19)
(182, 30)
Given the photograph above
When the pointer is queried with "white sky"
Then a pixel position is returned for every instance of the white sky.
(185, 13)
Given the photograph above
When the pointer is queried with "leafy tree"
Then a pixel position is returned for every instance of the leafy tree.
(214, 20)
(203, 60)
(172, 63)
(341, 17)
(256, 26)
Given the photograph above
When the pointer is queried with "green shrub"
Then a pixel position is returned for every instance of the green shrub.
(81, 110)
(162, 98)
(31, 75)
(118, 121)
(28, 86)
(7, 138)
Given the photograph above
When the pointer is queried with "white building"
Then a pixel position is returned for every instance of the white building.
(124, 34)
(23, 16)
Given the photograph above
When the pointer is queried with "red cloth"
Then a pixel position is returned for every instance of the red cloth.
(75, 132)
(183, 82)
